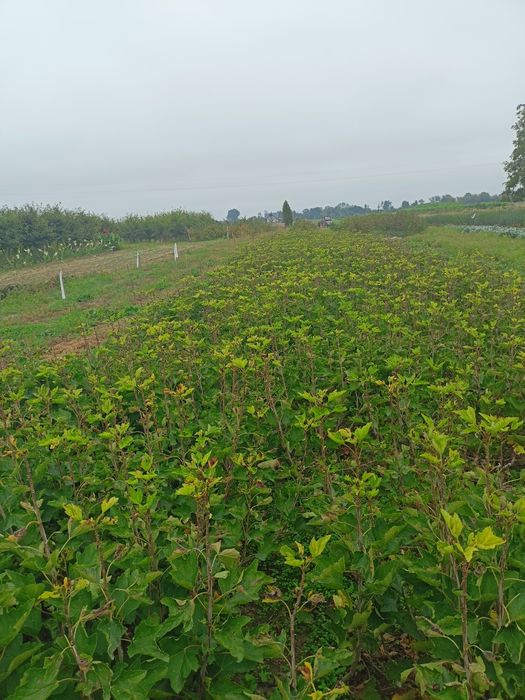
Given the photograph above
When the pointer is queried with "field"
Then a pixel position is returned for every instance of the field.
(298, 476)
(101, 291)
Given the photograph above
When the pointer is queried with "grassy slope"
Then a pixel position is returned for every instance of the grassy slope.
(35, 315)
(449, 241)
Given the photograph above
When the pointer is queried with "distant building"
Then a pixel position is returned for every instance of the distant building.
(325, 222)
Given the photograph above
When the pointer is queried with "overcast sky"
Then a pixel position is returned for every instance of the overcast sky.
(145, 105)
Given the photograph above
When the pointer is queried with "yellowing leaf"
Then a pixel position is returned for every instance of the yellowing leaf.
(109, 503)
(46, 595)
(453, 522)
(486, 539)
(317, 546)
(289, 557)
(74, 511)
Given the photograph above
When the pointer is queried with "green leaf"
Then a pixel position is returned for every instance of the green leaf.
(184, 569)
(453, 522)
(109, 503)
(516, 606)
(336, 437)
(359, 619)
(186, 490)
(181, 613)
(362, 433)
(231, 637)
(439, 442)
(113, 631)
(289, 557)
(331, 575)
(145, 639)
(73, 511)
(317, 546)
(130, 685)
(513, 639)
(12, 622)
(468, 415)
(39, 683)
(15, 654)
(184, 660)
(486, 539)
(221, 574)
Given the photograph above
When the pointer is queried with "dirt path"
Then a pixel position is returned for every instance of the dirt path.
(91, 264)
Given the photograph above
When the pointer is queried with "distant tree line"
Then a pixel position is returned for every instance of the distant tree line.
(169, 226)
(338, 211)
(467, 199)
(344, 210)
(46, 228)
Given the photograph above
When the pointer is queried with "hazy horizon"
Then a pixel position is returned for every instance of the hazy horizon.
(138, 106)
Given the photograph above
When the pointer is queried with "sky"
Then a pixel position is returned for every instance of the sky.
(120, 106)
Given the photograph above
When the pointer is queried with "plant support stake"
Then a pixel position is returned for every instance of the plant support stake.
(138, 259)
(62, 290)
(175, 252)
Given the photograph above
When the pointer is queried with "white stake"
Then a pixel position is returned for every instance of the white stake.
(175, 252)
(138, 259)
(62, 290)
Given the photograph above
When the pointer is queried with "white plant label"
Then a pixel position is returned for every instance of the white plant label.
(62, 290)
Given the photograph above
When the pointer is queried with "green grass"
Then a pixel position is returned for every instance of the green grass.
(450, 241)
(36, 316)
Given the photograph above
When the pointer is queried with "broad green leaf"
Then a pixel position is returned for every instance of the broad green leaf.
(231, 637)
(109, 503)
(184, 569)
(113, 631)
(15, 654)
(453, 522)
(145, 638)
(183, 661)
(130, 685)
(73, 511)
(290, 558)
(361, 433)
(486, 539)
(39, 682)
(513, 638)
(186, 490)
(317, 546)
(12, 621)
(331, 575)
(516, 606)
(439, 442)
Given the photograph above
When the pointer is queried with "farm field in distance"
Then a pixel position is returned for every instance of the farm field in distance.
(101, 290)
(296, 473)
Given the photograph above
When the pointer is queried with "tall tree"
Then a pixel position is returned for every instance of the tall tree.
(233, 215)
(287, 214)
(515, 166)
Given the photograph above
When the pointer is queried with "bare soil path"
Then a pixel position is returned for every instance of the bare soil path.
(91, 264)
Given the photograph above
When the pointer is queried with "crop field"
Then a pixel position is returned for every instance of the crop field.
(100, 289)
(300, 476)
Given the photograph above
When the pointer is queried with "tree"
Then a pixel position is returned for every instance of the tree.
(515, 166)
(287, 214)
(233, 215)
(405, 204)
(387, 205)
